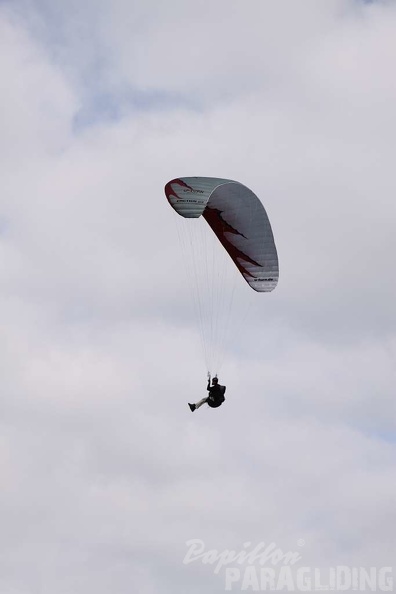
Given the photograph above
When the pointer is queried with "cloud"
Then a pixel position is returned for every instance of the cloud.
(105, 472)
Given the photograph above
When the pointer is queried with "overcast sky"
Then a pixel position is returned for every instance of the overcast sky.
(105, 473)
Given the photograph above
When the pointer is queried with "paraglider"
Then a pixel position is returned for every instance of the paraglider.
(237, 218)
(216, 395)
(240, 223)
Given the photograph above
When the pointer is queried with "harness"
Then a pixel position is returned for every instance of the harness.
(216, 400)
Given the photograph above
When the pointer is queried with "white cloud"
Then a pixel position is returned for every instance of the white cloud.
(105, 472)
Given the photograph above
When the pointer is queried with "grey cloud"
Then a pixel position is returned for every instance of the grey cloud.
(105, 472)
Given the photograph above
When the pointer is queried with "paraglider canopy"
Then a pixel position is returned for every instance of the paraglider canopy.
(238, 219)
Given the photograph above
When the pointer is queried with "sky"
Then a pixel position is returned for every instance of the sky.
(106, 476)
